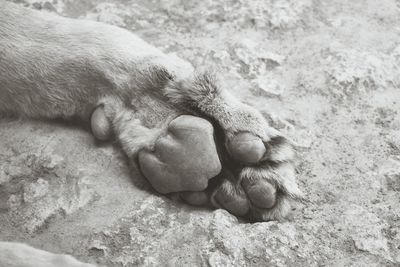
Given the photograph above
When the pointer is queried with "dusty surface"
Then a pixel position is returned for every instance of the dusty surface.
(326, 73)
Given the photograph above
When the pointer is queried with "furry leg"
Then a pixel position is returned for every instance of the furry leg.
(128, 129)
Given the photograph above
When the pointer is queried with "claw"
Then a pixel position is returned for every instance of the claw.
(232, 199)
(246, 147)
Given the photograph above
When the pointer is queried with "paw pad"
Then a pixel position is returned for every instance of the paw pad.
(101, 127)
(261, 194)
(184, 159)
(232, 198)
(246, 148)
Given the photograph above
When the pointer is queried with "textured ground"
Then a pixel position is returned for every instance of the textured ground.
(326, 73)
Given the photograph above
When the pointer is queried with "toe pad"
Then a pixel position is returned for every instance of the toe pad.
(261, 194)
(246, 147)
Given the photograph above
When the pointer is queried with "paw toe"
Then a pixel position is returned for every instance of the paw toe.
(246, 147)
(232, 198)
(262, 194)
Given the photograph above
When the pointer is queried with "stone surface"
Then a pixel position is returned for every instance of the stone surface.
(366, 231)
(334, 70)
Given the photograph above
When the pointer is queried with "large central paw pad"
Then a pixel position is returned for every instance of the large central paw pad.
(183, 159)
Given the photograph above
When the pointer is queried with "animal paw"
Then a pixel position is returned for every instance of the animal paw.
(257, 180)
(260, 177)
(239, 163)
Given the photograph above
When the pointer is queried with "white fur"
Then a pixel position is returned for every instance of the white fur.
(55, 67)
(51, 66)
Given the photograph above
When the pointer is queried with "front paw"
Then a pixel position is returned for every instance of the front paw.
(184, 158)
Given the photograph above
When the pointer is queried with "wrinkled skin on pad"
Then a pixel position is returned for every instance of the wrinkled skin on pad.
(183, 159)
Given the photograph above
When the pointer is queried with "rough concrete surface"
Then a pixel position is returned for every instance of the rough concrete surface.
(325, 73)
